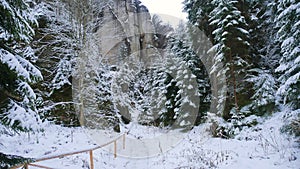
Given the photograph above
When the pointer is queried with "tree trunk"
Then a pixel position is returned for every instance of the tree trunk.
(233, 81)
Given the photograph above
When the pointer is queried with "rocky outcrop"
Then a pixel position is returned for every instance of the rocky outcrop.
(123, 31)
(126, 29)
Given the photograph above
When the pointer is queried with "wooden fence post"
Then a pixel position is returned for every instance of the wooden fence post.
(115, 149)
(124, 141)
(91, 159)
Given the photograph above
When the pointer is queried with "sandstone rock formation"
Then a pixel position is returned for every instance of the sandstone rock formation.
(126, 29)
(124, 34)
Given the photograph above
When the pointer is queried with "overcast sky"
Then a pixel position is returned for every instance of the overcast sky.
(169, 10)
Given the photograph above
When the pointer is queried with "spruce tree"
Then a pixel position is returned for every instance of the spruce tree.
(198, 14)
(57, 47)
(180, 45)
(232, 48)
(288, 20)
(18, 73)
(265, 50)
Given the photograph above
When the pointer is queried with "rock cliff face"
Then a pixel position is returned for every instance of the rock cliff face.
(126, 29)
(123, 31)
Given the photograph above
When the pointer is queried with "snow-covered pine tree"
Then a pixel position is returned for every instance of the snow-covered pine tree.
(288, 20)
(92, 93)
(232, 47)
(264, 96)
(158, 94)
(63, 28)
(149, 91)
(185, 96)
(104, 100)
(172, 103)
(18, 74)
(262, 28)
(138, 93)
(180, 45)
(266, 51)
(198, 14)
(89, 18)
(56, 46)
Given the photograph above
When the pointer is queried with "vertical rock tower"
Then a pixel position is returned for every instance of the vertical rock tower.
(126, 29)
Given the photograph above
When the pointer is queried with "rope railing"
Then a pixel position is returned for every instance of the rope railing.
(90, 151)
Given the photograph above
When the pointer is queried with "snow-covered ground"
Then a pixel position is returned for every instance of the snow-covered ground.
(262, 146)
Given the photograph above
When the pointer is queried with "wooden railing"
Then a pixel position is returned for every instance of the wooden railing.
(90, 151)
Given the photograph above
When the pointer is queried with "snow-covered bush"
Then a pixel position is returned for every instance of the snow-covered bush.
(292, 125)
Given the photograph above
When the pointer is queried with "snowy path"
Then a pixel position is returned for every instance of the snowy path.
(263, 148)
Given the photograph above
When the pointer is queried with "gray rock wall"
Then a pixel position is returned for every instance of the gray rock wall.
(126, 30)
